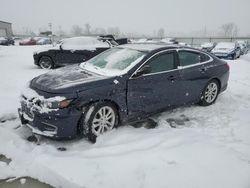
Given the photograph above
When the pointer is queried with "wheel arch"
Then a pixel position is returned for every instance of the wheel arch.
(45, 55)
(218, 80)
(87, 106)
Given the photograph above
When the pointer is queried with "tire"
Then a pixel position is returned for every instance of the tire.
(99, 118)
(46, 62)
(234, 57)
(210, 93)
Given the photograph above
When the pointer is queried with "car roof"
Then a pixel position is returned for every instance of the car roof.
(148, 47)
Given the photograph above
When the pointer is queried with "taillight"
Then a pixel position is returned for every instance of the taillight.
(227, 66)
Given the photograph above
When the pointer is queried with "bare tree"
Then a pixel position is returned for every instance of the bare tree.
(99, 31)
(87, 29)
(161, 33)
(76, 30)
(60, 32)
(229, 30)
(114, 31)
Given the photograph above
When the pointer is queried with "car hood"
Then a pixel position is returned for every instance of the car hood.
(222, 50)
(68, 80)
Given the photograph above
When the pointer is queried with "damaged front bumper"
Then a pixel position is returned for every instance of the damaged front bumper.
(59, 124)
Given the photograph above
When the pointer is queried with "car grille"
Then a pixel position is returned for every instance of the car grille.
(29, 106)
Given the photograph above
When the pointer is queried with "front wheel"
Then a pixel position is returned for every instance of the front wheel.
(99, 118)
(210, 93)
(46, 62)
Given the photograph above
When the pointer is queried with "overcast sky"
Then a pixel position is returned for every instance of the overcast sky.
(141, 16)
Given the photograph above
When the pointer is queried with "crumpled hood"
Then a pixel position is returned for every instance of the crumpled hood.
(66, 80)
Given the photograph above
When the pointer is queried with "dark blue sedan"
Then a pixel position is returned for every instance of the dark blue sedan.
(123, 84)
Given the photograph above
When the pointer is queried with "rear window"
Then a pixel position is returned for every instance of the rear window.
(189, 58)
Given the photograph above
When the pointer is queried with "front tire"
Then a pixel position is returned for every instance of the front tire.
(99, 118)
(210, 93)
(46, 63)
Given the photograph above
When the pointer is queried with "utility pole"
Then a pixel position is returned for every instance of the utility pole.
(50, 28)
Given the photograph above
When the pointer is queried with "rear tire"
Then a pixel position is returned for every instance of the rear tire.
(98, 119)
(210, 93)
(46, 63)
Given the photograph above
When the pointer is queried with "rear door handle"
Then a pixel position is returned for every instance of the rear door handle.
(171, 78)
(203, 69)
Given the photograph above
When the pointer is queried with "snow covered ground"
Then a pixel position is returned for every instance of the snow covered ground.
(209, 148)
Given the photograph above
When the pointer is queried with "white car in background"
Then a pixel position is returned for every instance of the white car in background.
(243, 46)
(227, 50)
(208, 46)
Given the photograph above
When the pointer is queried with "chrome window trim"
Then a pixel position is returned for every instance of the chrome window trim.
(179, 67)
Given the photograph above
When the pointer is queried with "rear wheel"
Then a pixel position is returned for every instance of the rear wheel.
(46, 63)
(99, 118)
(210, 93)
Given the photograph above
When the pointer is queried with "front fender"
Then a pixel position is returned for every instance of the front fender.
(115, 93)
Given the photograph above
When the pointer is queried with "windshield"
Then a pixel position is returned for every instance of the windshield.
(115, 61)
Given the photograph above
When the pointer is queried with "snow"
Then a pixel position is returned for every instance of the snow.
(211, 148)
(225, 45)
(143, 47)
(83, 43)
(207, 45)
(23, 181)
(117, 63)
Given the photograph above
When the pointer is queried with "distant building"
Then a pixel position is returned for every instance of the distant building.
(5, 29)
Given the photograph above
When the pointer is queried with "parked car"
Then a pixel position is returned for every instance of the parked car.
(145, 40)
(243, 47)
(27, 41)
(121, 41)
(44, 41)
(123, 84)
(169, 41)
(208, 46)
(6, 41)
(227, 50)
(71, 51)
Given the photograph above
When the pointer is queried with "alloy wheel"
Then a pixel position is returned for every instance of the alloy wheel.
(211, 92)
(104, 120)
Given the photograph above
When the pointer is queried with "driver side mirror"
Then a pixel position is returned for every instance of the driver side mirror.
(60, 46)
(144, 70)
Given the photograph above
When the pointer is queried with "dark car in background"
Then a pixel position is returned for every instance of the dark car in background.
(44, 41)
(71, 51)
(6, 41)
(227, 50)
(123, 84)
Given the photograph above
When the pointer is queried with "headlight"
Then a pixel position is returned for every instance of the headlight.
(64, 103)
(56, 104)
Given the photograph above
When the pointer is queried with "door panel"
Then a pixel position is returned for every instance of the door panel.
(193, 81)
(194, 76)
(149, 94)
(155, 90)
(64, 57)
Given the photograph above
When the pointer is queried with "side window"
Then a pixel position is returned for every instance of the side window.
(189, 58)
(163, 62)
(204, 57)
